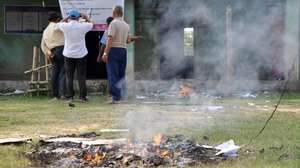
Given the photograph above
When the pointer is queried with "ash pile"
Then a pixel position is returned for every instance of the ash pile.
(161, 151)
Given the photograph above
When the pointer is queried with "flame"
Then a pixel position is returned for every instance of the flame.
(130, 147)
(157, 139)
(88, 157)
(185, 89)
(130, 143)
(99, 157)
(165, 153)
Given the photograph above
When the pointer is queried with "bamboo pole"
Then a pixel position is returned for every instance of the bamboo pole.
(46, 68)
(38, 68)
(39, 71)
(34, 64)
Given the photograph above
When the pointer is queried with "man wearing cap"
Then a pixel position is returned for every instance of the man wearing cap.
(75, 51)
(115, 54)
(52, 46)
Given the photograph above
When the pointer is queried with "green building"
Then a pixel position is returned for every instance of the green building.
(193, 39)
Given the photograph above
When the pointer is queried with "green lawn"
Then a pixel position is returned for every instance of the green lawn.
(239, 120)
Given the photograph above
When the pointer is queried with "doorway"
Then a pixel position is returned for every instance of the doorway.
(95, 71)
(177, 53)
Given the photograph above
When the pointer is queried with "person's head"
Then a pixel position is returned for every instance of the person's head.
(109, 20)
(74, 15)
(53, 17)
(118, 11)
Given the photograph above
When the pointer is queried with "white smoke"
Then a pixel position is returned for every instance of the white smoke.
(257, 33)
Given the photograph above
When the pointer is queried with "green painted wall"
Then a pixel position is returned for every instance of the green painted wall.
(16, 49)
(130, 19)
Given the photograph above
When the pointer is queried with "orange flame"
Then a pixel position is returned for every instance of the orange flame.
(99, 157)
(157, 139)
(88, 157)
(165, 154)
(185, 89)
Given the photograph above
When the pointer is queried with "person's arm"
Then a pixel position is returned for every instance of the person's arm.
(64, 20)
(107, 49)
(101, 51)
(132, 39)
(46, 50)
(86, 18)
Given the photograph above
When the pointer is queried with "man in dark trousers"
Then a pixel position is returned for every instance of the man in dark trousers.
(75, 51)
(115, 54)
(52, 46)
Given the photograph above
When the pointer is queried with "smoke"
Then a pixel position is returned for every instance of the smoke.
(256, 40)
(257, 34)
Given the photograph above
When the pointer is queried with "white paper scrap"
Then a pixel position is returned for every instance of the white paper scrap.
(228, 148)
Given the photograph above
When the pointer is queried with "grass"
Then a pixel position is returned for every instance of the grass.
(32, 117)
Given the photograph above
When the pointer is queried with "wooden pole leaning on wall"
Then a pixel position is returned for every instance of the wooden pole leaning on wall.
(47, 68)
(34, 64)
(39, 71)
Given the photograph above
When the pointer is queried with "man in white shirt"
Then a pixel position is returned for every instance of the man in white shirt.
(75, 51)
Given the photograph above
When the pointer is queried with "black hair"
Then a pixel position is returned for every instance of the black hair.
(109, 20)
(53, 16)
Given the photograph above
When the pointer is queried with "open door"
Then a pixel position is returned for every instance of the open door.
(177, 53)
(95, 71)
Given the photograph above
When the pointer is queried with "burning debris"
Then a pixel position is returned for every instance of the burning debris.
(162, 150)
(185, 90)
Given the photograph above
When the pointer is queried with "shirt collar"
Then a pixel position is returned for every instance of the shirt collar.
(119, 18)
(73, 21)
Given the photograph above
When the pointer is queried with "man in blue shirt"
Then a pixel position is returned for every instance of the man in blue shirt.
(103, 40)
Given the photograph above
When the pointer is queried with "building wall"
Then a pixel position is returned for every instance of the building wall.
(144, 57)
(16, 49)
(260, 29)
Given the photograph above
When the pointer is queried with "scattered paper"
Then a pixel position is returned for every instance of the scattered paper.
(88, 141)
(207, 146)
(14, 141)
(251, 104)
(247, 95)
(140, 97)
(115, 130)
(228, 148)
(214, 108)
(16, 92)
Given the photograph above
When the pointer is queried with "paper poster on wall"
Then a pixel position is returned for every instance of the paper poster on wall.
(98, 10)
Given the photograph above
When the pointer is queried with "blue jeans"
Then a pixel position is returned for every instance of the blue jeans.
(117, 60)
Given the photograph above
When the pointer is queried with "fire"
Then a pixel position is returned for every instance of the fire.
(99, 157)
(130, 143)
(130, 147)
(165, 153)
(96, 159)
(185, 89)
(88, 157)
(157, 139)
